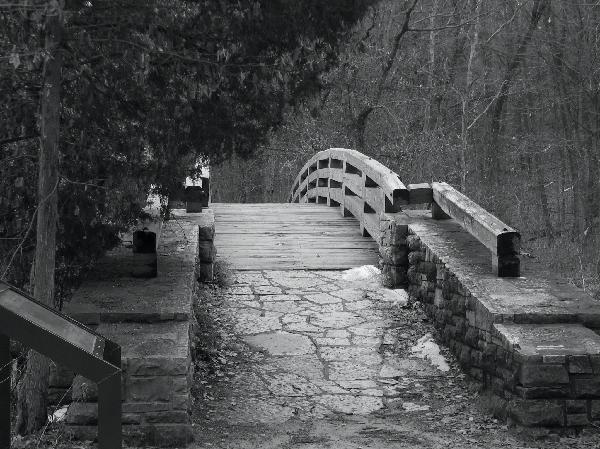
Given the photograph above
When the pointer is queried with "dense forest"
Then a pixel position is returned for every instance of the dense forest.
(104, 102)
(500, 99)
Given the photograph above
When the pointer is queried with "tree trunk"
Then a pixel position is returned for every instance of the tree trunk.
(467, 97)
(360, 120)
(33, 387)
(567, 118)
(513, 66)
(428, 115)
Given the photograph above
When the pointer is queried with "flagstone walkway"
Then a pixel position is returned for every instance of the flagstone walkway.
(324, 344)
(310, 359)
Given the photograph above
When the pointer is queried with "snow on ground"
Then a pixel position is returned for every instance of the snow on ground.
(364, 273)
(412, 407)
(370, 274)
(398, 297)
(59, 414)
(426, 348)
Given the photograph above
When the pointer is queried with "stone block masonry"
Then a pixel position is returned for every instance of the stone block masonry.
(207, 252)
(531, 341)
(393, 251)
(152, 320)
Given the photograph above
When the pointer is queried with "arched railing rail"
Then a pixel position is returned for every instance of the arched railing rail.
(359, 185)
(364, 189)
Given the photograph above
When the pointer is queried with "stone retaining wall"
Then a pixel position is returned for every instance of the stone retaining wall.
(530, 341)
(152, 320)
(393, 251)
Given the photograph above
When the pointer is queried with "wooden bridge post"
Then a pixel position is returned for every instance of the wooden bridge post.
(331, 202)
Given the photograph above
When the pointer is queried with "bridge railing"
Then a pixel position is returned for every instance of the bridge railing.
(365, 189)
(360, 186)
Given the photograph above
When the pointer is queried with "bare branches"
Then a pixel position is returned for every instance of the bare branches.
(18, 139)
(86, 184)
(393, 54)
(517, 9)
(444, 27)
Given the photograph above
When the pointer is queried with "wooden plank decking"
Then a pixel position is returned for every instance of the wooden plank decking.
(275, 236)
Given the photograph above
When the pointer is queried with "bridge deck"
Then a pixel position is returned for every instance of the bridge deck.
(289, 237)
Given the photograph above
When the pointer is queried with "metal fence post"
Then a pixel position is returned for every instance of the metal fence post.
(109, 402)
(5, 374)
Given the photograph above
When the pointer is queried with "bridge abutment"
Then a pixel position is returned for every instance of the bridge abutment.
(528, 337)
(532, 341)
(152, 319)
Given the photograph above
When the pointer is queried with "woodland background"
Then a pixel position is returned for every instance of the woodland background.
(105, 101)
(499, 98)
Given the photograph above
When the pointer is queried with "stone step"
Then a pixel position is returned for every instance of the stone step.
(86, 413)
(155, 434)
(156, 385)
(556, 373)
(156, 362)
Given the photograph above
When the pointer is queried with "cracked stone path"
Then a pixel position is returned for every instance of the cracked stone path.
(314, 345)
(307, 360)
(327, 345)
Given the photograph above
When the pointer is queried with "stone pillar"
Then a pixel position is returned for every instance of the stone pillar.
(206, 189)
(195, 199)
(207, 252)
(177, 196)
(393, 251)
(145, 263)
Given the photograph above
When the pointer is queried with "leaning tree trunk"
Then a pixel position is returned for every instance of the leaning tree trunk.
(517, 58)
(360, 121)
(33, 387)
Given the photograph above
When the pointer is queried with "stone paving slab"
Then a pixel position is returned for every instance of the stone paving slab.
(323, 346)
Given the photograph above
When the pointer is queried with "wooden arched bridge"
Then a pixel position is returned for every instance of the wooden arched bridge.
(255, 236)
(528, 337)
(323, 340)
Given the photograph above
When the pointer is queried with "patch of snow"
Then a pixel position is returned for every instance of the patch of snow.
(412, 407)
(427, 349)
(364, 273)
(153, 205)
(398, 297)
(59, 414)
(204, 173)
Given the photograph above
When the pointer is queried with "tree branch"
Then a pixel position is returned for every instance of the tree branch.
(18, 139)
